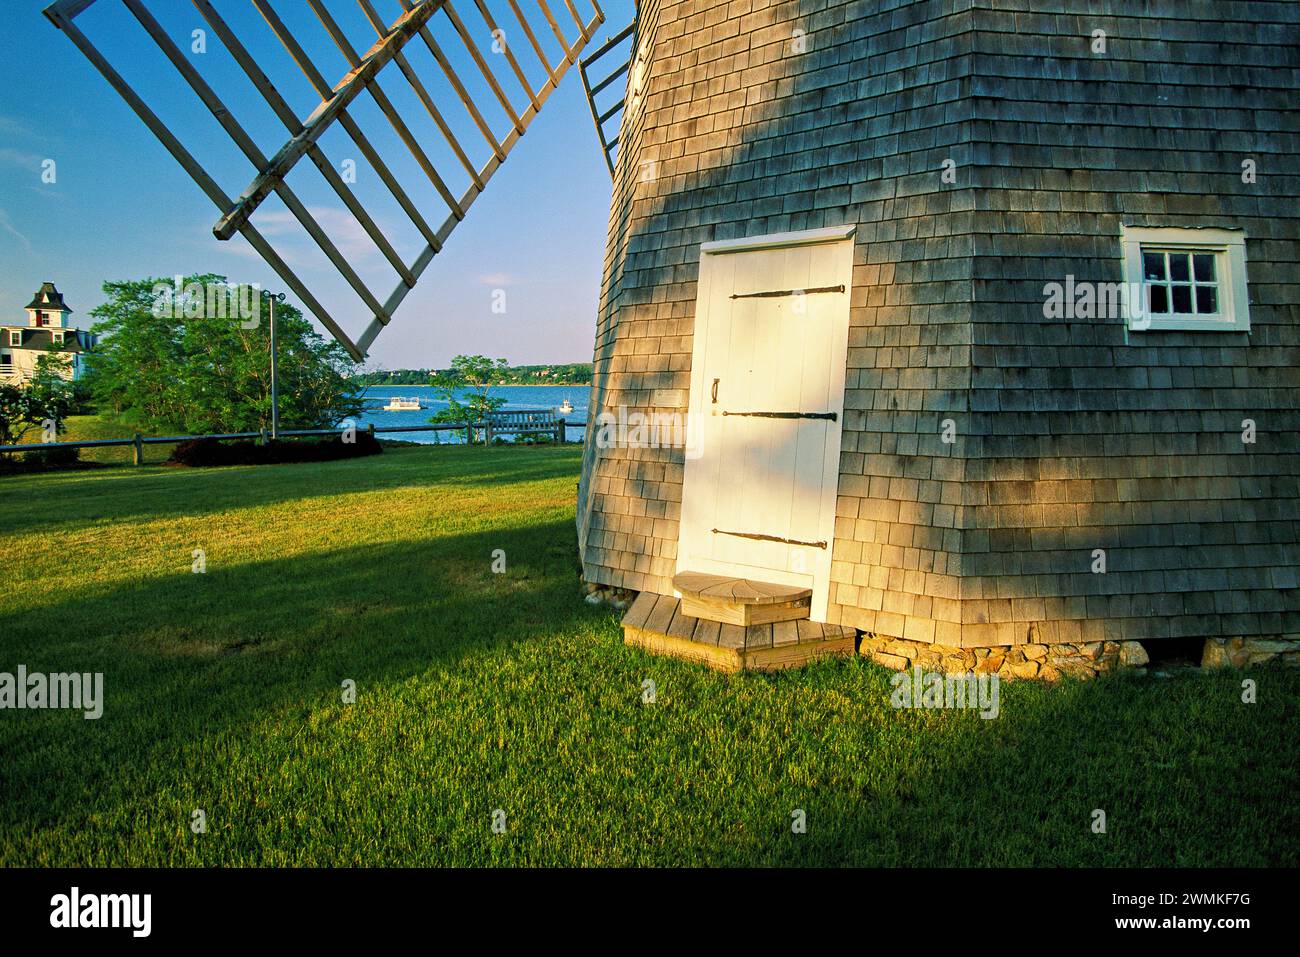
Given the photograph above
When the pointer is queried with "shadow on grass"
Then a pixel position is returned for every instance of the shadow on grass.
(189, 656)
(532, 711)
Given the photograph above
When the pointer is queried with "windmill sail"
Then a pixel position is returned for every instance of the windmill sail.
(383, 52)
(615, 56)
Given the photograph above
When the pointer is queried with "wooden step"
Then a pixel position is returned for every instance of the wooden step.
(660, 625)
(740, 601)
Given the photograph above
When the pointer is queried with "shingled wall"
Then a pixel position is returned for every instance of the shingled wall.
(1081, 436)
(1069, 438)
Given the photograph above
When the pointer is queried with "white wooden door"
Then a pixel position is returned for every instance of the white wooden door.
(767, 406)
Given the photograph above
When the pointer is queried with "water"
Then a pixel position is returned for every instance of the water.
(517, 397)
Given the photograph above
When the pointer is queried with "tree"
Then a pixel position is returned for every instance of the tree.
(194, 356)
(43, 403)
(469, 378)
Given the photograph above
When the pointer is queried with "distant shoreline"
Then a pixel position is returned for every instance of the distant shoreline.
(504, 385)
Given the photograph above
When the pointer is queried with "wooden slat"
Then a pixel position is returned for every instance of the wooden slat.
(466, 100)
(488, 75)
(661, 615)
(714, 611)
(785, 633)
(706, 632)
(66, 9)
(794, 656)
(360, 78)
(729, 588)
(681, 626)
(610, 112)
(609, 44)
(250, 149)
(570, 52)
(809, 630)
(720, 659)
(577, 19)
(636, 615)
(532, 37)
(290, 120)
(471, 194)
(508, 52)
(758, 636)
(731, 636)
(740, 613)
(611, 78)
(413, 79)
(731, 659)
(235, 216)
(386, 107)
(591, 103)
(201, 177)
(386, 176)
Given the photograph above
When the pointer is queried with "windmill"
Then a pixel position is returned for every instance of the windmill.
(832, 230)
(506, 75)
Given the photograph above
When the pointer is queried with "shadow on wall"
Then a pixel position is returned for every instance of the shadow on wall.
(693, 183)
(1163, 580)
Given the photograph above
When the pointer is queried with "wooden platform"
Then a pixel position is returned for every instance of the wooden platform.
(740, 601)
(657, 623)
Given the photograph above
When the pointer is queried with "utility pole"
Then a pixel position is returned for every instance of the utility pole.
(275, 381)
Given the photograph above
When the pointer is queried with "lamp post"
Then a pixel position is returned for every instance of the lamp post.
(275, 381)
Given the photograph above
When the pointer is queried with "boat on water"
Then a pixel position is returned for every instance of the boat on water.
(399, 404)
(566, 406)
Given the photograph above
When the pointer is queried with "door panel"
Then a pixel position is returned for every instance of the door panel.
(759, 475)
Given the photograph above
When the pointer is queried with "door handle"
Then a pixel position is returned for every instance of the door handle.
(715, 391)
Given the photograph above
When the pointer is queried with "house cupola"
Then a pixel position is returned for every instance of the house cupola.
(47, 308)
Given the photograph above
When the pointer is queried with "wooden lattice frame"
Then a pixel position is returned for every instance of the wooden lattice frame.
(333, 108)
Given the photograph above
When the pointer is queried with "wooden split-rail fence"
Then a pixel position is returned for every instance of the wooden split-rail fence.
(519, 422)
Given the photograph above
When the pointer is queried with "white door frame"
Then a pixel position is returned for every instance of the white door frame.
(820, 560)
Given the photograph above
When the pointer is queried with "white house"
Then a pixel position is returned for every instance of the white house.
(46, 330)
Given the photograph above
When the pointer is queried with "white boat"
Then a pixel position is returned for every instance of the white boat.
(566, 406)
(399, 404)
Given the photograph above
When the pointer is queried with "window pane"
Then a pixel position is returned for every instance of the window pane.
(1153, 265)
(1204, 266)
(1182, 296)
(1207, 299)
(1159, 299)
(1178, 268)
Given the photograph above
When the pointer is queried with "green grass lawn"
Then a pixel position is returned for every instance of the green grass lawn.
(480, 691)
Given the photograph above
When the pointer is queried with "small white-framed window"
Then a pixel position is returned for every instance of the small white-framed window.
(1185, 279)
(58, 338)
(15, 337)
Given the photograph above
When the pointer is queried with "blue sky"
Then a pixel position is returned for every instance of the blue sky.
(122, 208)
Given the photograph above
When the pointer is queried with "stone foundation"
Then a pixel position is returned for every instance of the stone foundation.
(619, 599)
(1084, 660)
(1044, 662)
(1250, 652)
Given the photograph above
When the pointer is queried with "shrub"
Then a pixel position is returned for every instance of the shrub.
(204, 453)
(534, 438)
(52, 458)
